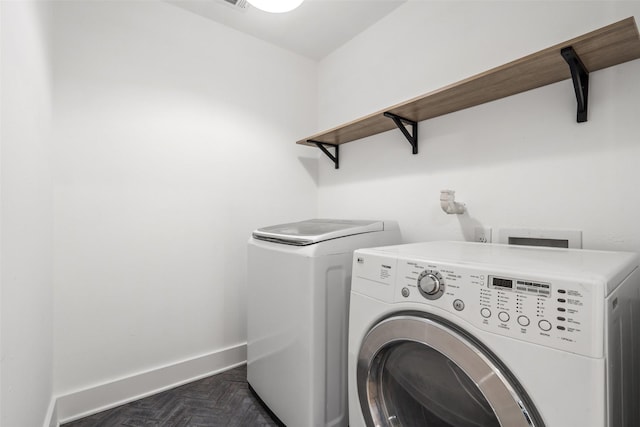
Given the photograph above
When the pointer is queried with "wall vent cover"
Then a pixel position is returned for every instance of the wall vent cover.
(541, 237)
(239, 4)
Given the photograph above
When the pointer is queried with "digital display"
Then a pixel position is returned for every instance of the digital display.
(502, 283)
(539, 289)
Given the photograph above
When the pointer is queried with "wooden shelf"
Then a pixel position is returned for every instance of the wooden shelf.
(602, 48)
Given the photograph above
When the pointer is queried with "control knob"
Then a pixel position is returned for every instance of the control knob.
(430, 284)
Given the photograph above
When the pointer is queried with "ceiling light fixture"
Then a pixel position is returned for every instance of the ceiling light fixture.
(276, 6)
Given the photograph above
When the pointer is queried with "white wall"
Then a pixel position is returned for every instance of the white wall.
(25, 215)
(174, 140)
(520, 161)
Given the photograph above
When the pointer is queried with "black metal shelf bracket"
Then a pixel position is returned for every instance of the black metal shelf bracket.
(580, 77)
(411, 137)
(323, 146)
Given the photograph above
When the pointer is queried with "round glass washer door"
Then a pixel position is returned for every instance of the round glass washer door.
(423, 371)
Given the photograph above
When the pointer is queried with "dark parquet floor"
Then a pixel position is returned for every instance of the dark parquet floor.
(219, 400)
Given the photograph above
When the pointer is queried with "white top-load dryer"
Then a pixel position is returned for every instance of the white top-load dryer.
(298, 297)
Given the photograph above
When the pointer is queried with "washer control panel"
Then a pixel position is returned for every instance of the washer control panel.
(553, 312)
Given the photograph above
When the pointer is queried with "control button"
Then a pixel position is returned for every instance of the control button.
(504, 316)
(405, 292)
(485, 312)
(523, 320)
(458, 305)
(562, 309)
(562, 319)
(545, 325)
(562, 300)
(562, 328)
(562, 291)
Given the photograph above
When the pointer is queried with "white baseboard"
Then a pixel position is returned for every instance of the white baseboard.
(92, 400)
(51, 419)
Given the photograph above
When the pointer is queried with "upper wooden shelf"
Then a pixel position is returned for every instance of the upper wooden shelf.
(602, 48)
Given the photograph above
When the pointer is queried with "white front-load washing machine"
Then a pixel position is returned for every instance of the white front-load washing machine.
(298, 300)
(456, 334)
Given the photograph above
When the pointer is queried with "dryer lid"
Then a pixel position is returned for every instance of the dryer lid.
(313, 231)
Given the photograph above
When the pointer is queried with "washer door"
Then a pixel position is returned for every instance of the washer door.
(423, 371)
